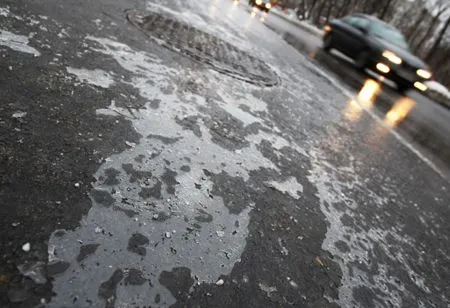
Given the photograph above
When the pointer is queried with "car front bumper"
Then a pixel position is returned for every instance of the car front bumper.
(403, 77)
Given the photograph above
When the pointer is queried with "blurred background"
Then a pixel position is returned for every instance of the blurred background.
(425, 23)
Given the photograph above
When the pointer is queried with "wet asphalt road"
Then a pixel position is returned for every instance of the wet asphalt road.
(179, 153)
(425, 125)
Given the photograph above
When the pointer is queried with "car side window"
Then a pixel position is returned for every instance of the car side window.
(361, 23)
(357, 22)
(348, 20)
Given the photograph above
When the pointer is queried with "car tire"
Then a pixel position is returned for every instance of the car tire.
(362, 60)
(328, 42)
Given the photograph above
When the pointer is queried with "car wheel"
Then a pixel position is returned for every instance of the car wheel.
(362, 60)
(328, 42)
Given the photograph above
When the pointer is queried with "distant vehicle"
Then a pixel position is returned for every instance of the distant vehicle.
(378, 46)
(263, 5)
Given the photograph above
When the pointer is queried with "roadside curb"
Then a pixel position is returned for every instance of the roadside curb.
(309, 28)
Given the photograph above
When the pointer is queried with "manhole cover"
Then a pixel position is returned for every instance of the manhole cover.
(203, 47)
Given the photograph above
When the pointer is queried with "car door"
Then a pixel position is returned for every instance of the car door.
(342, 32)
(356, 38)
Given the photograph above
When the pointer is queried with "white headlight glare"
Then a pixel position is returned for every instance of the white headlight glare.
(424, 73)
(392, 57)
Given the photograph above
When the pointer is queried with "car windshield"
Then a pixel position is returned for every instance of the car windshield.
(389, 34)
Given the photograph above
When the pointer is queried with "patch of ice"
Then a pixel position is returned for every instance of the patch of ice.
(241, 115)
(284, 250)
(290, 186)
(95, 77)
(63, 33)
(26, 247)
(34, 271)
(17, 42)
(335, 204)
(19, 114)
(200, 253)
(4, 11)
(33, 22)
(267, 289)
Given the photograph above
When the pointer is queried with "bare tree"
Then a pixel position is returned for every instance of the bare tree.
(443, 7)
(385, 9)
(416, 24)
(344, 8)
(438, 40)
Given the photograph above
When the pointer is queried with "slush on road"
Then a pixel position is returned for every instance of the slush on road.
(214, 153)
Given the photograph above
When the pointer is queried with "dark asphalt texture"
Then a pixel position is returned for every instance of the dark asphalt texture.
(138, 170)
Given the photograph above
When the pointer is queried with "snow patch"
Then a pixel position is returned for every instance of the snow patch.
(290, 186)
(17, 42)
(336, 204)
(95, 77)
(438, 87)
(4, 11)
(201, 254)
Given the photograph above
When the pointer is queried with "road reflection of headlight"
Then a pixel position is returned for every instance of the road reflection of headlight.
(399, 111)
(368, 92)
(353, 111)
(392, 57)
(364, 99)
(424, 73)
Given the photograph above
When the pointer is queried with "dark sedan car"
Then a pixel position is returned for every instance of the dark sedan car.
(378, 46)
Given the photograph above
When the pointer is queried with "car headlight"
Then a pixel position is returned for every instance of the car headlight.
(422, 87)
(423, 73)
(268, 5)
(258, 2)
(392, 57)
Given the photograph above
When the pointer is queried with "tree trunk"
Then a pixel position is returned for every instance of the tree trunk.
(319, 12)
(312, 7)
(418, 46)
(412, 29)
(329, 9)
(369, 7)
(385, 9)
(438, 40)
(343, 9)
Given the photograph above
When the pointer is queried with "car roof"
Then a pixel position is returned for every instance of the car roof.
(373, 19)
